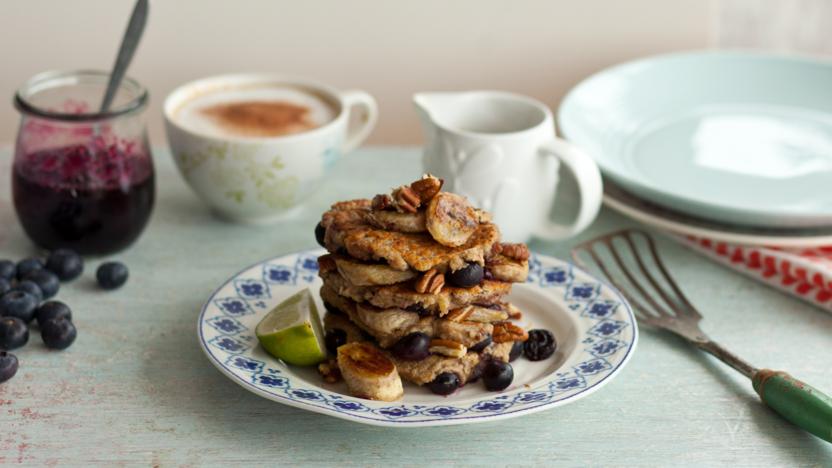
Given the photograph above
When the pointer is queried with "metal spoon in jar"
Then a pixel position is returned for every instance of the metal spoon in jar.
(129, 42)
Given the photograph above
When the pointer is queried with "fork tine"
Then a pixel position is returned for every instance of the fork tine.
(639, 306)
(675, 305)
(688, 306)
(658, 309)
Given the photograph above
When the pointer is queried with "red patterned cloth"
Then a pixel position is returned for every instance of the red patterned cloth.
(804, 273)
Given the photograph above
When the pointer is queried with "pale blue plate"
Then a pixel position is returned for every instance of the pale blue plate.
(736, 137)
(593, 325)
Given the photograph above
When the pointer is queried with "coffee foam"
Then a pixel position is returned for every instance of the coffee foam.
(261, 111)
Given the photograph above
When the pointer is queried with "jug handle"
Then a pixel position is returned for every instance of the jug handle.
(590, 189)
(358, 101)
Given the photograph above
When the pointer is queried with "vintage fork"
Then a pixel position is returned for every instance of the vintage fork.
(667, 308)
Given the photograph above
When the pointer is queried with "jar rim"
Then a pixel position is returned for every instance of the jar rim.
(43, 80)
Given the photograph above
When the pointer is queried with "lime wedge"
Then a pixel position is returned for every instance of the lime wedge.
(292, 331)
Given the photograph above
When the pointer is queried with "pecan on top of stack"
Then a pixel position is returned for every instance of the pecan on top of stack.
(420, 276)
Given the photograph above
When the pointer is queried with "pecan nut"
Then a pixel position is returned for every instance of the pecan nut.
(460, 314)
(406, 200)
(507, 331)
(382, 202)
(427, 187)
(519, 252)
(431, 282)
(496, 249)
(447, 348)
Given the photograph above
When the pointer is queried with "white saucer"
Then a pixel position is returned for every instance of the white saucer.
(679, 223)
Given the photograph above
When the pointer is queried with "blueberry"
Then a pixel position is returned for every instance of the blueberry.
(58, 333)
(13, 333)
(28, 265)
(18, 304)
(320, 231)
(413, 347)
(332, 309)
(477, 348)
(335, 338)
(47, 281)
(444, 383)
(8, 270)
(111, 275)
(419, 309)
(540, 345)
(516, 351)
(497, 375)
(52, 310)
(467, 277)
(8, 366)
(5, 286)
(29, 287)
(65, 263)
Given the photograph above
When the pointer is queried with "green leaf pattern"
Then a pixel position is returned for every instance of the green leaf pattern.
(235, 170)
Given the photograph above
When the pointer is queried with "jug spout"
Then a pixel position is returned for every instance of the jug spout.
(432, 106)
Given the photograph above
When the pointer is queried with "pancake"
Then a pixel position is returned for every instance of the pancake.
(349, 230)
(404, 295)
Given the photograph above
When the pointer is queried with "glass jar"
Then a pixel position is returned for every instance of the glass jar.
(82, 179)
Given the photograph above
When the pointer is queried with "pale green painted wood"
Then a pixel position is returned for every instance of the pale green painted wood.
(136, 389)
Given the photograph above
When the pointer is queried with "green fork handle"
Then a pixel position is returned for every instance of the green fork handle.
(796, 401)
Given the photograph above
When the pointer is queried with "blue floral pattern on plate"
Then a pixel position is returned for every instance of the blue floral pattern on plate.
(607, 334)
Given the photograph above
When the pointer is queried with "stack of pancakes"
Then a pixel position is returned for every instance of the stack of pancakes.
(421, 261)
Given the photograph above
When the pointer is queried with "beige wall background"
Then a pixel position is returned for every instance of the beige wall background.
(390, 48)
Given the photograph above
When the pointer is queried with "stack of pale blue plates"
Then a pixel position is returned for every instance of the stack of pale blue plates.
(732, 146)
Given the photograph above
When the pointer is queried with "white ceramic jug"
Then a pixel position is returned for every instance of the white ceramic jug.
(500, 150)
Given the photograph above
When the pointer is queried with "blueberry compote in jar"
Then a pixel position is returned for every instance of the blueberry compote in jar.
(82, 179)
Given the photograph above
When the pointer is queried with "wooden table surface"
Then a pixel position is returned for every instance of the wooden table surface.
(135, 389)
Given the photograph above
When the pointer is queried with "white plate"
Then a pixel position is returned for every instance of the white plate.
(679, 223)
(593, 324)
(735, 137)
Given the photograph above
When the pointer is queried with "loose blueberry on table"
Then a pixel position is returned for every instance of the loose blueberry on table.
(52, 310)
(30, 287)
(58, 333)
(27, 266)
(13, 333)
(111, 275)
(8, 270)
(8, 366)
(65, 263)
(48, 282)
(18, 304)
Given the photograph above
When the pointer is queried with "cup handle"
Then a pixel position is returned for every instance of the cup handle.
(590, 189)
(359, 101)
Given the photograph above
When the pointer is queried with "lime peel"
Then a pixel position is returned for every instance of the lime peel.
(292, 331)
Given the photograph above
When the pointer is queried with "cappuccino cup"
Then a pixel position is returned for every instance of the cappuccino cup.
(254, 147)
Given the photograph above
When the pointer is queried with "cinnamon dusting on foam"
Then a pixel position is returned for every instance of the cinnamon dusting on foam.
(261, 118)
